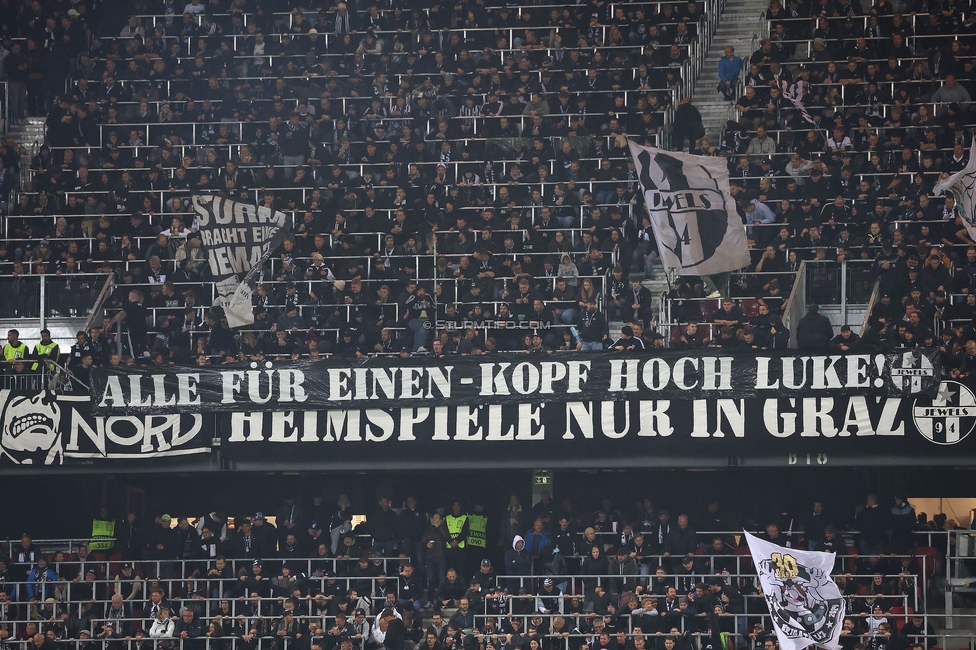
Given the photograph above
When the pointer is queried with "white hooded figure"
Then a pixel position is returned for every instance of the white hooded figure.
(518, 561)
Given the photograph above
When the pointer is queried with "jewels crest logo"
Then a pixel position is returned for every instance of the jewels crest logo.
(949, 417)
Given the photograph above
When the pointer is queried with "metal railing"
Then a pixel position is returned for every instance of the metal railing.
(27, 375)
(5, 107)
(796, 304)
(960, 558)
(49, 296)
(844, 284)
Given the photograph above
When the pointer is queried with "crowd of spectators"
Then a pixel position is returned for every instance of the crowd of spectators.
(851, 113)
(515, 577)
(471, 148)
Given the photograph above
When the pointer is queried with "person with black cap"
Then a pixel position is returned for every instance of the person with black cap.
(244, 544)
(266, 534)
(128, 583)
(686, 575)
(486, 575)
(847, 340)
(627, 341)
(255, 581)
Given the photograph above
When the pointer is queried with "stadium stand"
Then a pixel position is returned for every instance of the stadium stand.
(842, 120)
(304, 577)
(482, 152)
(400, 139)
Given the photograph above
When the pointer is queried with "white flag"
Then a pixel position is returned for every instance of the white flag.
(962, 187)
(794, 93)
(238, 238)
(697, 228)
(804, 603)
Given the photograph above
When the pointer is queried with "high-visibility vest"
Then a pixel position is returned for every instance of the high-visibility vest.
(478, 530)
(45, 349)
(103, 534)
(12, 353)
(454, 526)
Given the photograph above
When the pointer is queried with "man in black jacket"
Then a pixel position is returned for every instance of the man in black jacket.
(687, 124)
(450, 591)
(411, 524)
(396, 631)
(383, 528)
(592, 328)
(627, 341)
(189, 627)
(814, 331)
(129, 537)
(682, 540)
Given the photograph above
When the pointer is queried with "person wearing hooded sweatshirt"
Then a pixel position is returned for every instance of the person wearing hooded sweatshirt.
(594, 564)
(518, 562)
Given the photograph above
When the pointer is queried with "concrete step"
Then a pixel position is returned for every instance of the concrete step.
(30, 134)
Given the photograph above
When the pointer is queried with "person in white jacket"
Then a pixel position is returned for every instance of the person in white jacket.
(163, 627)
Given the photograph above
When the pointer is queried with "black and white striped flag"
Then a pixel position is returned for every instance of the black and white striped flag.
(695, 222)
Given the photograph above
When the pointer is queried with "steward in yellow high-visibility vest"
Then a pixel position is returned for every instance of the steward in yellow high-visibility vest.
(103, 535)
(457, 529)
(46, 350)
(478, 529)
(477, 536)
(15, 348)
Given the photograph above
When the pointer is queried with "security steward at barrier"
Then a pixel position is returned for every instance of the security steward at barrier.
(477, 535)
(15, 348)
(47, 350)
(457, 528)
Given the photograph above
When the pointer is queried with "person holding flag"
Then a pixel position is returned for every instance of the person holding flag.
(805, 604)
(961, 186)
(691, 211)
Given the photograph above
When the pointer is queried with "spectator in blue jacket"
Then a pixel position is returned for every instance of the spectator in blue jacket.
(729, 67)
(36, 579)
(537, 539)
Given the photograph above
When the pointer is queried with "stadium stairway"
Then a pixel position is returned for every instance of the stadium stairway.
(739, 27)
(31, 133)
(657, 283)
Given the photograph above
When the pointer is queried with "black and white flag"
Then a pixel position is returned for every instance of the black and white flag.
(794, 93)
(961, 186)
(804, 602)
(697, 228)
(239, 238)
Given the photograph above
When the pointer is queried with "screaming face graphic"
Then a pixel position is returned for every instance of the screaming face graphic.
(31, 433)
